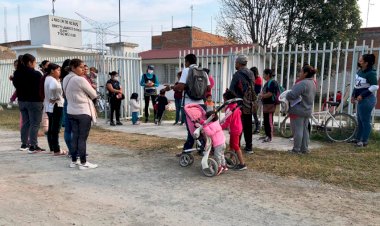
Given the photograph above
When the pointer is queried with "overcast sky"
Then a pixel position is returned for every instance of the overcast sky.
(140, 18)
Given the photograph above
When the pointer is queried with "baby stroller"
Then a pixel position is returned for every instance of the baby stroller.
(195, 114)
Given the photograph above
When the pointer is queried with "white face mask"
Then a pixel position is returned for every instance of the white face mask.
(150, 72)
(116, 78)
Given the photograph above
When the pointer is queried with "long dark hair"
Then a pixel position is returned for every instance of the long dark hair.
(370, 59)
(65, 69)
(23, 60)
(269, 72)
(255, 71)
(74, 63)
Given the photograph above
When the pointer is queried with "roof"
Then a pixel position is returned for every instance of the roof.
(174, 53)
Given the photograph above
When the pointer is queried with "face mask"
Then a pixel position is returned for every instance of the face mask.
(150, 71)
(116, 78)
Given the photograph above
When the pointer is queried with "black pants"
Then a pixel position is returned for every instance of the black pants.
(81, 125)
(247, 130)
(115, 107)
(268, 124)
(159, 114)
(146, 108)
(54, 127)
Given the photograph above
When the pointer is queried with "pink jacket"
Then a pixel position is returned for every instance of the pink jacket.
(233, 122)
(215, 132)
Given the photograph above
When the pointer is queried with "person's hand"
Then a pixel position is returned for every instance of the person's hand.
(352, 100)
(359, 98)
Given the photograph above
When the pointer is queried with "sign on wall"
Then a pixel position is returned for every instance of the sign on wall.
(56, 31)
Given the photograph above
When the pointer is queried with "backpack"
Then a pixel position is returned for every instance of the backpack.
(196, 83)
(249, 98)
(280, 89)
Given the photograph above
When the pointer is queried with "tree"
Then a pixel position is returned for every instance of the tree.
(293, 21)
(255, 21)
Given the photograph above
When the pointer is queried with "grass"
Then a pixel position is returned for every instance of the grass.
(339, 164)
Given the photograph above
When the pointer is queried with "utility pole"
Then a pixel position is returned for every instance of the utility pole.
(192, 9)
(172, 22)
(191, 28)
(119, 23)
(5, 25)
(369, 3)
(53, 6)
(211, 25)
(19, 22)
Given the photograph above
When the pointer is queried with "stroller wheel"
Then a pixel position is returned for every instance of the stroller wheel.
(231, 159)
(186, 159)
(212, 169)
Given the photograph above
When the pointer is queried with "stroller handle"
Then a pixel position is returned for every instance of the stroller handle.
(227, 103)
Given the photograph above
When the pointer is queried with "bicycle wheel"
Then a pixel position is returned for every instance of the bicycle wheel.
(285, 129)
(231, 159)
(340, 127)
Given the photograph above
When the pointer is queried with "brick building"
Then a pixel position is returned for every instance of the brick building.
(187, 37)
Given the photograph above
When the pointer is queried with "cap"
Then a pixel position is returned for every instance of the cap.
(150, 67)
(242, 59)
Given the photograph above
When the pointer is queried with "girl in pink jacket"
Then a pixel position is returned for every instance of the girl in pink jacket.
(215, 132)
(235, 126)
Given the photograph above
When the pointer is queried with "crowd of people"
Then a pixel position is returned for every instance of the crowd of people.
(66, 95)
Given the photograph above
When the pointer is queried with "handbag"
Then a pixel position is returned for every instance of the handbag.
(269, 108)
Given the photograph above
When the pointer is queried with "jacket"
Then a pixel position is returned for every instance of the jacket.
(27, 84)
(135, 106)
(215, 132)
(233, 122)
(307, 90)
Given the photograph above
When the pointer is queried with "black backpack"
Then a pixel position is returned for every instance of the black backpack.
(196, 83)
(249, 98)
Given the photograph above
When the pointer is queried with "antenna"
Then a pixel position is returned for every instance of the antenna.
(5, 25)
(19, 23)
(53, 10)
(211, 25)
(192, 9)
(101, 30)
(369, 3)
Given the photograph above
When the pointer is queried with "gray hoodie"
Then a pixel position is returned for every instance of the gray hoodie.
(306, 89)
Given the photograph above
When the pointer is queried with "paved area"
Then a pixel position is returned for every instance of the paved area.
(166, 129)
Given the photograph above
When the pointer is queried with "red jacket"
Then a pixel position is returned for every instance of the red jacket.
(233, 122)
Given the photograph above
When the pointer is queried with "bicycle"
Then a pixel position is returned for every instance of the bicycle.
(339, 127)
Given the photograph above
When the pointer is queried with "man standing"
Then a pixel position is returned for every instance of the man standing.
(241, 80)
(190, 64)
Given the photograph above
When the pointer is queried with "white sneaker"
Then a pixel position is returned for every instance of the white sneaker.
(74, 164)
(87, 165)
(9, 105)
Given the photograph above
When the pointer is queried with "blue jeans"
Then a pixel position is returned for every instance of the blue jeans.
(178, 110)
(135, 117)
(68, 128)
(31, 114)
(364, 111)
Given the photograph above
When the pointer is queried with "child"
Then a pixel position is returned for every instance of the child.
(209, 103)
(161, 102)
(135, 108)
(215, 132)
(234, 124)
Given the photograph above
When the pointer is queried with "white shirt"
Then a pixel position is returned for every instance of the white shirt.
(183, 79)
(53, 94)
(135, 106)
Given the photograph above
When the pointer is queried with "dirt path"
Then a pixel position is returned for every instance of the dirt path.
(141, 188)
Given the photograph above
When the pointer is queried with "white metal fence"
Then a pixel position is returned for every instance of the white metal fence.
(336, 65)
(129, 69)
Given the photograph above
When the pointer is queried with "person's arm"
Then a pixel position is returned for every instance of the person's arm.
(374, 86)
(226, 124)
(156, 82)
(142, 81)
(87, 88)
(134, 104)
(112, 90)
(297, 90)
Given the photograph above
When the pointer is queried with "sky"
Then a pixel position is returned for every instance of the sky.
(140, 18)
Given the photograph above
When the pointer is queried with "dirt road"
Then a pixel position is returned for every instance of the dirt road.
(146, 188)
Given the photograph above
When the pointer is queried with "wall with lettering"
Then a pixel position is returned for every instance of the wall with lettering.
(56, 31)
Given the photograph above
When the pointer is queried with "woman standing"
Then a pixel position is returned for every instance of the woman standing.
(26, 80)
(269, 106)
(150, 83)
(80, 110)
(258, 85)
(53, 105)
(66, 122)
(115, 95)
(363, 94)
(301, 112)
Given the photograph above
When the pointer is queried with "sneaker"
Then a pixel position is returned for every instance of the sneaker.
(9, 105)
(291, 139)
(112, 124)
(220, 170)
(24, 147)
(175, 123)
(74, 164)
(119, 123)
(87, 165)
(181, 124)
(267, 140)
(361, 144)
(241, 167)
(248, 151)
(35, 149)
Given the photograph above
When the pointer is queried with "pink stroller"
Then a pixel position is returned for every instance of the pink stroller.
(195, 114)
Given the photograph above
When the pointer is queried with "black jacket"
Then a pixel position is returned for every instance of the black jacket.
(27, 84)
